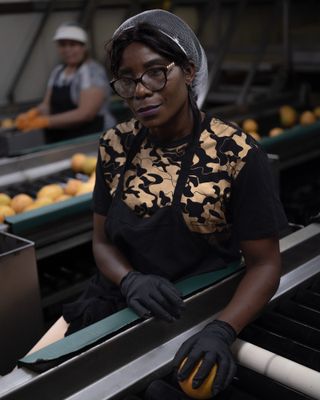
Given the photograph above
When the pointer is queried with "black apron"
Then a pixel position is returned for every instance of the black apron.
(61, 101)
(161, 244)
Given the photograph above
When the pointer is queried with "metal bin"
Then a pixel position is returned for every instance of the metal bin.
(21, 321)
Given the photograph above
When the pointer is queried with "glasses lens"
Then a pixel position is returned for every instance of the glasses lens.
(124, 87)
(154, 78)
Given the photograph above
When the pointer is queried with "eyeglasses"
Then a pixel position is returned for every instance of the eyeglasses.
(153, 79)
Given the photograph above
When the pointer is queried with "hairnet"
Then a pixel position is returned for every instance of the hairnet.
(178, 31)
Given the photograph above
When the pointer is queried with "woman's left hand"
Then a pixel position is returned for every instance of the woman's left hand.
(211, 345)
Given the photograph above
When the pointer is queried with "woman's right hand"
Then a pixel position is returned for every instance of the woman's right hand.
(152, 295)
(24, 119)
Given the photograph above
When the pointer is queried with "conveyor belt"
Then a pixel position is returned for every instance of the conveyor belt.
(28, 173)
(295, 145)
(31, 222)
(32, 187)
(51, 158)
(129, 360)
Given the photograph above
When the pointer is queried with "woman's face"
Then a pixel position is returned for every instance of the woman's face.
(156, 109)
(71, 52)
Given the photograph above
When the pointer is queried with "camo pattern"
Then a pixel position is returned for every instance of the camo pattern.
(150, 181)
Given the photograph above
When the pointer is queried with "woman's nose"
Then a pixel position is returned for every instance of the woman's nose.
(141, 90)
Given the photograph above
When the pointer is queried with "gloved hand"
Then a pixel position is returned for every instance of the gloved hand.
(36, 123)
(211, 345)
(23, 118)
(152, 295)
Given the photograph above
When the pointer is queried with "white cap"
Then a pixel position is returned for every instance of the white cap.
(71, 32)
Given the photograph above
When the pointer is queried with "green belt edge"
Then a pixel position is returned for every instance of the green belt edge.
(97, 331)
(297, 132)
(32, 219)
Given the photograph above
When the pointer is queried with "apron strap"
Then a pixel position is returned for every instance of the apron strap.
(187, 158)
(133, 150)
(185, 162)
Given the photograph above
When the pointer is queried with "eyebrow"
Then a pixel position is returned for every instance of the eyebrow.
(148, 64)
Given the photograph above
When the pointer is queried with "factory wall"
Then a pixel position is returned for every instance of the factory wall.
(16, 35)
(17, 31)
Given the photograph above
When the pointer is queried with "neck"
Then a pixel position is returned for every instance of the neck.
(70, 69)
(179, 126)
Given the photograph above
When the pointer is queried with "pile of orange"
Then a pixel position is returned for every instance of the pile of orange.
(288, 117)
(54, 192)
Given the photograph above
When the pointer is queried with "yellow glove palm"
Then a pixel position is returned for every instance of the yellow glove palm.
(36, 123)
(23, 119)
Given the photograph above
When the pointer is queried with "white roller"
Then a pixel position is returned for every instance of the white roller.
(296, 376)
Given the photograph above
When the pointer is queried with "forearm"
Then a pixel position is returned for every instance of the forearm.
(254, 291)
(70, 118)
(111, 262)
(43, 109)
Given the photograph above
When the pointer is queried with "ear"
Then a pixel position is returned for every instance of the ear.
(189, 73)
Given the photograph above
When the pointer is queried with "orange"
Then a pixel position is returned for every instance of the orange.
(92, 177)
(250, 125)
(307, 118)
(77, 161)
(316, 112)
(20, 201)
(275, 131)
(205, 390)
(7, 123)
(72, 186)
(63, 197)
(255, 135)
(86, 187)
(89, 165)
(288, 115)
(4, 199)
(53, 191)
(5, 211)
(38, 203)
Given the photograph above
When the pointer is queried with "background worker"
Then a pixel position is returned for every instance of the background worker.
(178, 192)
(77, 96)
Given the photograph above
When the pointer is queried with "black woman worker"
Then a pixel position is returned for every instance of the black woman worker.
(178, 192)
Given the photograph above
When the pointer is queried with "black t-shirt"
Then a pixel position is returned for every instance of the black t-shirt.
(230, 191)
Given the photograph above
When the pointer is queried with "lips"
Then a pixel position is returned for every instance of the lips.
(148, 111)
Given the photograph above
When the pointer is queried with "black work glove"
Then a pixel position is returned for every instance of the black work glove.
(211, 345)
(152, 295)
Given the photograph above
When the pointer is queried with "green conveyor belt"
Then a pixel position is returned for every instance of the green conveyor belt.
(62, 144)
(94, 333)
(298, 140)
(52, 213)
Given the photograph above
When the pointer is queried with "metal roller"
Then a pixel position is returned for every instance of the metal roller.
(303, 379)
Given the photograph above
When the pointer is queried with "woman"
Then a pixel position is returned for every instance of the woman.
(76, 101)
(177, 193)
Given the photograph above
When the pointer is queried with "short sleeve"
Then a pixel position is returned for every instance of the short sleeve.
(257, 211)
(101, 195)
(93, 75)
(53, 75)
